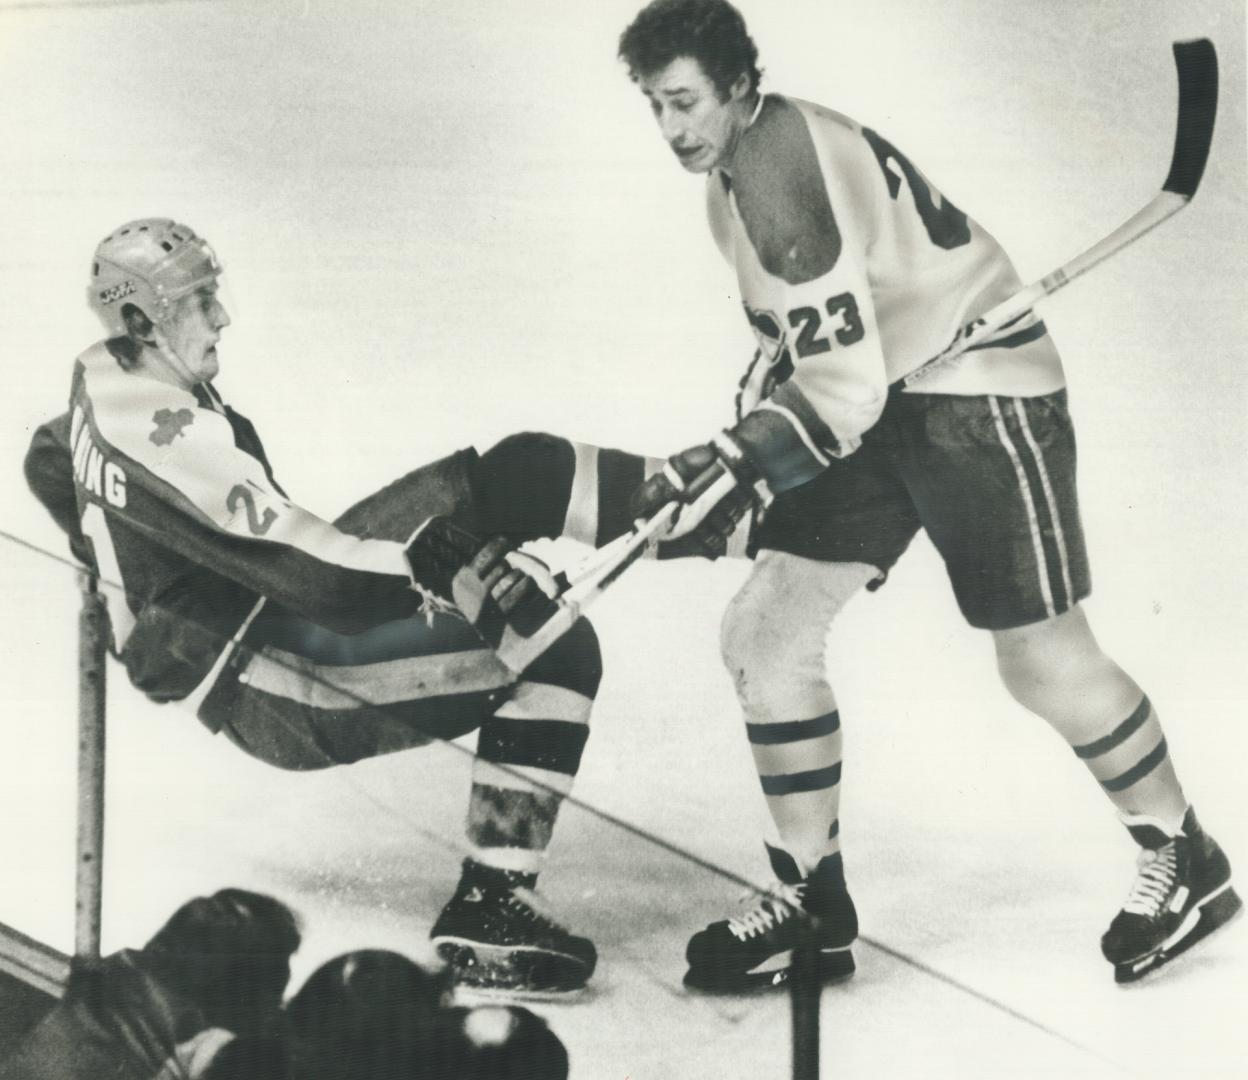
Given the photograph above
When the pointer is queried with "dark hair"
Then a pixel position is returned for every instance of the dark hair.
(126, 348)
(501, 1042)
(136, 320)
(366, 1015)
(230, 954)
(712, 32)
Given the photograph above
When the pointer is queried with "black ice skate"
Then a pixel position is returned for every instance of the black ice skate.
(755, 949)
(495, 940)
(1182, 895)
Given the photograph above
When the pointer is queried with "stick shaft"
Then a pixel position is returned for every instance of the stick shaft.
(1160, 207)
(1196, 63)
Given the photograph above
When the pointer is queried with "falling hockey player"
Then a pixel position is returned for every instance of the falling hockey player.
(853, 271)
(311, 644)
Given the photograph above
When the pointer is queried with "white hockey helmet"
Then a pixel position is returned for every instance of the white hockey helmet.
(149, 263)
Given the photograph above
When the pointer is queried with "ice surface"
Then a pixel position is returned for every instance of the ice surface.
(446, 222)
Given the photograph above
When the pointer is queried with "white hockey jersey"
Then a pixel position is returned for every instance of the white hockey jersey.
(854, 270)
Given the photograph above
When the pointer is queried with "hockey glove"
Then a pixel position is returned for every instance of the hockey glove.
(452, 568)
(706, 520)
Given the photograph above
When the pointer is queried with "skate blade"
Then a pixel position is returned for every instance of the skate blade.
(1221, 911)
(515, 971)
(468, 995)
(832, 966)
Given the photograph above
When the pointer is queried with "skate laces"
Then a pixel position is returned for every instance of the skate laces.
(529, 905)
(1152, 888)
(781, 902)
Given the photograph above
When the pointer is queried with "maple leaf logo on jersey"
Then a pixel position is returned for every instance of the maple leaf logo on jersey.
(169, 425)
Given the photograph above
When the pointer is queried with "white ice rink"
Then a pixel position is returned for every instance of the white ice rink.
(446, 221)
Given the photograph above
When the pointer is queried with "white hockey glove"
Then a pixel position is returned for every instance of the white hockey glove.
(707, 518)
(454, 569)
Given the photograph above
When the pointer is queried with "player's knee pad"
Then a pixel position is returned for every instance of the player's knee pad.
(774, 633)
(770, 658)
(521, 485)
(574, 662)
(440, 487)
(775, 671)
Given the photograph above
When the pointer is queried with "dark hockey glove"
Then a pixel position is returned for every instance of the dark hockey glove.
(452, 567)
(706, 520)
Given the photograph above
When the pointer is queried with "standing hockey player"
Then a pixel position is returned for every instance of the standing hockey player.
(312, 644)
(854, 270)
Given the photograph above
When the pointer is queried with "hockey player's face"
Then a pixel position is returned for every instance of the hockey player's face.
(194, 331)
(700, 126)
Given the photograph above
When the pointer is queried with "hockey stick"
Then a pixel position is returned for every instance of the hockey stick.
(595, 578)
(1197, 64)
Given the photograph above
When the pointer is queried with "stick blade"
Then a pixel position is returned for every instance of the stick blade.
(1197, 63)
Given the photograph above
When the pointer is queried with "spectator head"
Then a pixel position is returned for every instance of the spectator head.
(367, 1015)
(230, 954)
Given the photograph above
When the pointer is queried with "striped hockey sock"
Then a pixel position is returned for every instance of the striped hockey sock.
(799, 767)
(1131, 762)
(528, 753)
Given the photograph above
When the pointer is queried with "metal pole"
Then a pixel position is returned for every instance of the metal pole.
(805, 989)
(92, 656)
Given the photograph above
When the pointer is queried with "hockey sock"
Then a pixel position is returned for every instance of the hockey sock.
(479, 873)
(827, 873)
(799, 767)
(1132, 764)
(1152, 832)
(774, 641)
(527, 755)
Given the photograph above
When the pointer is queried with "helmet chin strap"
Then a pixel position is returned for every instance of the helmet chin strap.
(176, 366)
